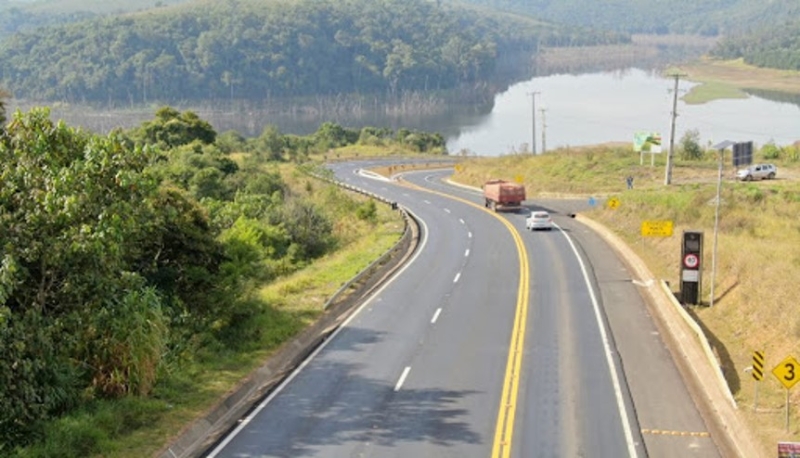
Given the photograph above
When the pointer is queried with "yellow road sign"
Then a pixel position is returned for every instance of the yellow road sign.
(758, 365)
(787, 372)
(613, 203)
(657, 228)
(518, 179)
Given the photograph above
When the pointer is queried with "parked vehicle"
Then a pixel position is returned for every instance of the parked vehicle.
(503, 195)
(757, 172)
(539, 219)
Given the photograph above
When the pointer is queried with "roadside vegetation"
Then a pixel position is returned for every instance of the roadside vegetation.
(144, 273)
(758, 254)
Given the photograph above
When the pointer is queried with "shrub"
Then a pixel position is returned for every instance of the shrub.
(690, 146)
(771, 151)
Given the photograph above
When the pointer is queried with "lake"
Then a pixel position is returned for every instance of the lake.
(571, 110)
(574, 110)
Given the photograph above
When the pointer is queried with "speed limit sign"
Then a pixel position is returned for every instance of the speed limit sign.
(691, 261)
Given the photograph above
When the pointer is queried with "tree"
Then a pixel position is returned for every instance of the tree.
(172, 128)
(74, 210)
(270, 144)
(331, 135)
(690, 146)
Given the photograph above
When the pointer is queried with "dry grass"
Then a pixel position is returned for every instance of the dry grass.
(740, 75)
(758, 256)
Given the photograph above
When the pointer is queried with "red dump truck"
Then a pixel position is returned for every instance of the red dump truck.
(503, 195)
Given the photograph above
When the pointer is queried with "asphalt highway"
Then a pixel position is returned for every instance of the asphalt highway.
(492, 341)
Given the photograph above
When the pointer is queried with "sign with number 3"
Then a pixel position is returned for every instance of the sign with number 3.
(787, 372)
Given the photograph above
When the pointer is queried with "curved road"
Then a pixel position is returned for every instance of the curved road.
(491, 342)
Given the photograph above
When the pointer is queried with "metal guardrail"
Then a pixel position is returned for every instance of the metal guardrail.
(376, 265)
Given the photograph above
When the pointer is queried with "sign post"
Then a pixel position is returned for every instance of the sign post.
(787, 373)
(758, 374)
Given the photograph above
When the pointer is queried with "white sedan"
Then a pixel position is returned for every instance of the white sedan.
(539, 220)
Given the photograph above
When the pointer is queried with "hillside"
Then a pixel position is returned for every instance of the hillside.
(773, 47)
(256, 49)
(21, 15)
(705, 17)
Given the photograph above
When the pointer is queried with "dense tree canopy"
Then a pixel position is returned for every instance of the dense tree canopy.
(260, 48)
(704, 17)
(774, 47)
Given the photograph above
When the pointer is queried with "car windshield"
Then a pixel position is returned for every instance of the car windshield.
(540, 215)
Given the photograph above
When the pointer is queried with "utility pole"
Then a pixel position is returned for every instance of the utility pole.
(533, 121)
(668, 175)
(544, 132)
(721, 147)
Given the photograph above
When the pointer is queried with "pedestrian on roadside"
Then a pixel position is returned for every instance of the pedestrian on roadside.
(629, 181)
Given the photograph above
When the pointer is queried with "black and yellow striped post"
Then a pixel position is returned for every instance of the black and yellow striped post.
(758, 365)
(758, 374)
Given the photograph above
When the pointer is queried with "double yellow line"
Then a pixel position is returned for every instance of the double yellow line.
(508, 401)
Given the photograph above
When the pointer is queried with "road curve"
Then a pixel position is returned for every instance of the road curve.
(661, 407)
(430, 364)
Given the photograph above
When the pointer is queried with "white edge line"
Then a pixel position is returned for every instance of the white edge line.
(324, 344)
(436, 315)
(626, 426)
(402, 378)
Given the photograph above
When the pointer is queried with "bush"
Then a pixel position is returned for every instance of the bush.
(771, 151)
(37, 382)
(367, 211)
(690, 146)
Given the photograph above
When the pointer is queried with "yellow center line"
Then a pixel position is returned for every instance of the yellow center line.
(508, 400)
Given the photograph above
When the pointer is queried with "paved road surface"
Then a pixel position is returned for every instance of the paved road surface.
(423, 368)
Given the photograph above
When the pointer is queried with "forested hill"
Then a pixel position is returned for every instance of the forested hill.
(253, 49)
(774, 47)
(19, 15)
(706, 17)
